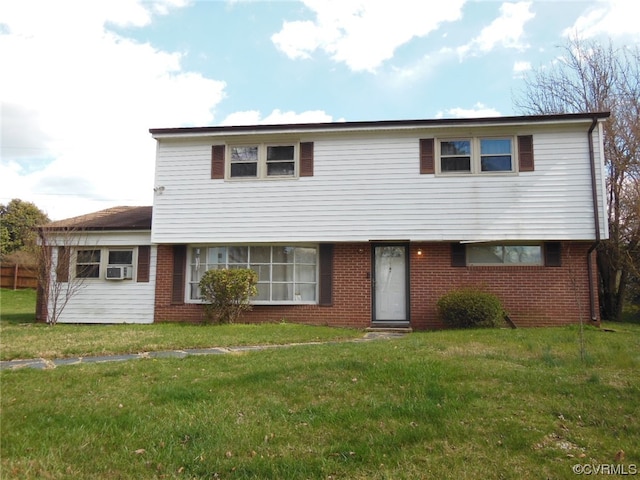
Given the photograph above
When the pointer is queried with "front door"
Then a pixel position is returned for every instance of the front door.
(390, 274)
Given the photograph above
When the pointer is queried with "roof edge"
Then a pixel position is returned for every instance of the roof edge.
(122, 218)
(72, 228)
(379, 124)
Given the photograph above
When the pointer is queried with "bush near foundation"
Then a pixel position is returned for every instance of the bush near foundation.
(227, 293)
(467, 308)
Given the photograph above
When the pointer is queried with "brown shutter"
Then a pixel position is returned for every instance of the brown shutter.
(552, 254)
(326, 274)
(525, 153)
(306, 159)
(144, 261)
(62, 266)
(217, 161)
(458, 255)
(427, 156)
(179, 266)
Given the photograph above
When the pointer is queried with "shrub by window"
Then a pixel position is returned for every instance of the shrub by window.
(468, 308)
(227, 293)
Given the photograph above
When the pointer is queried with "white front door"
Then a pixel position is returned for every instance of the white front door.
(390, 283)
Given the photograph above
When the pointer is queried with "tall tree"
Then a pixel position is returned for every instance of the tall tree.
(18, 220)
(588, 77)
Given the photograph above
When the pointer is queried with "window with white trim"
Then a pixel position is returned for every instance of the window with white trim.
(94, 263)
(286, 274)
(475, 155)
(491, 254)
(119, 264)
(262, 161)
(88, 264)
(120, 257)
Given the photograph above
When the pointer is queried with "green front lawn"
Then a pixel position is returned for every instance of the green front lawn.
(495, 404)
(506, 404)
(17, 306)
(21, 337)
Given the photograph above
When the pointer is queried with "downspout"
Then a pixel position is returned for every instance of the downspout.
(596, 220)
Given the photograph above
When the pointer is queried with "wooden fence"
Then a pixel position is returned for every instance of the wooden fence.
(18, 276)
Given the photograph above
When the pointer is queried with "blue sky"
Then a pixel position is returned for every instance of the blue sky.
(82, 82)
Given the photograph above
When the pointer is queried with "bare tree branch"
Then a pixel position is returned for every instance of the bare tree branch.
(57, 276)
(591, 77)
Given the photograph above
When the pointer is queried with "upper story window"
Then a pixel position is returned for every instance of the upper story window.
(281, 160)
(455, 156)
(476, 155)
(243, 162)
(262, 161)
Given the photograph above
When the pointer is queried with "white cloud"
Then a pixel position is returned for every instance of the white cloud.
(254, 117)
(78, 100)
(610, 17)
(363, 33)
(247, 117)
(505, 31)
(521, 67)
(478, 110)
(420, 70)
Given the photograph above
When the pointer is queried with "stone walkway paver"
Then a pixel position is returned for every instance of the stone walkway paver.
(43, 363)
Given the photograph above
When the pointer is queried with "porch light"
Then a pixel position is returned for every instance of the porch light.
(419, 252)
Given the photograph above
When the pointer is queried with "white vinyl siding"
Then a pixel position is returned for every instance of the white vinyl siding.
(113, 301)
(368, 186)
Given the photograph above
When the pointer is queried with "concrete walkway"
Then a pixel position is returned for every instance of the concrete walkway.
(42, 363)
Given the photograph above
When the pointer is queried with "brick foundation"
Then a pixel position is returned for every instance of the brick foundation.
(532, 295)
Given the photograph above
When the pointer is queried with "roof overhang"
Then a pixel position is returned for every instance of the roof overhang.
(367, 126)
(111, 219)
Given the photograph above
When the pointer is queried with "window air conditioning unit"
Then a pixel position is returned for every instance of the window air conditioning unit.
(119, 272)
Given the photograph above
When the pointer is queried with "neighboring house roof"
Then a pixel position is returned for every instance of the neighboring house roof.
(116, 218)
(378, 125)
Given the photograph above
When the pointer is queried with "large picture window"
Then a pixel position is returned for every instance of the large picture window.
(476, 155)
(286, 274)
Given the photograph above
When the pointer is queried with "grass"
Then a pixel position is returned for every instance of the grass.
(17, 306)
(453, 404)
(503, 404)
(631, 313)
(21, 337)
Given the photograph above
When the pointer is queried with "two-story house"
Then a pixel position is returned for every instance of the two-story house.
(369, 223)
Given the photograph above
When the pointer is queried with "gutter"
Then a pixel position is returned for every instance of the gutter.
(596, 220)
(367, 126)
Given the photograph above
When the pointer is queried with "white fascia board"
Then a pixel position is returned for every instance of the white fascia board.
(382, 127)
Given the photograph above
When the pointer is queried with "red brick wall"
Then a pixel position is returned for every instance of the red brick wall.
(533, 296)
(351, 294)
(165, 311)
